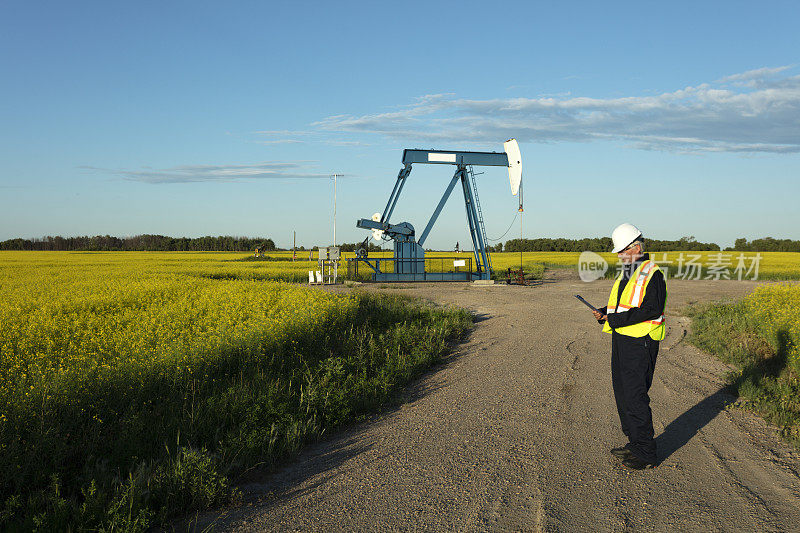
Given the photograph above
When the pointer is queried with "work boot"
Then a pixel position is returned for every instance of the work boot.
(622, 452)
(635, 463)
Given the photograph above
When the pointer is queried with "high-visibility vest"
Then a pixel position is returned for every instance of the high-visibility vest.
(632, 296)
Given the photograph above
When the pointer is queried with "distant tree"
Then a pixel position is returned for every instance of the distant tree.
(139, 242)
(353, 246)
(600, 244)
(766, 244)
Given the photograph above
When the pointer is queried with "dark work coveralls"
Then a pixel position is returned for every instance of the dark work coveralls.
(633, 360)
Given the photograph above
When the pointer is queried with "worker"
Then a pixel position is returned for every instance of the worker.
(634, 317)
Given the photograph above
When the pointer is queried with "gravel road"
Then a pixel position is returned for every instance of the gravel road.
(512, 433)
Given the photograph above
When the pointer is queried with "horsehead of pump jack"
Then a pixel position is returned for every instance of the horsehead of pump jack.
(408, 262)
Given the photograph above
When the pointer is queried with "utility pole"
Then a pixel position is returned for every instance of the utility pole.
(520, 239)
(294, 245)
(334, 208)
(521, 211)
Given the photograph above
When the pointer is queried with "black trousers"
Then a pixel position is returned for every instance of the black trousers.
(633, 360)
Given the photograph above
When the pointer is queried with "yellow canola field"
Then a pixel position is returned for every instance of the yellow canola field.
(771, 265)
(76, 312)
(78, 317)
(72, 319)
(773, 309)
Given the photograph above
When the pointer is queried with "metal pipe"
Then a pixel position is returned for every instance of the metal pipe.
(401, 181)
(334, 208)
(471, 220)
(391, 196)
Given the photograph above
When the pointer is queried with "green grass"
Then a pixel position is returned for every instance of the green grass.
(533, 271)
(763, 350)
(172, 446)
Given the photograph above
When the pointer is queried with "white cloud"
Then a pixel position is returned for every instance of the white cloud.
(752, 112)
(217, 173)
(281, 132)
(309, 137)
(754, 75)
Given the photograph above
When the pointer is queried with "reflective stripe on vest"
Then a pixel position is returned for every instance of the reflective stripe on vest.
(638, 292)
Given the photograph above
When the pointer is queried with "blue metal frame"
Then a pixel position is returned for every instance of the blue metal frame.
(402, 273)
(455, 157)
(406, 250)
(423, 276)
(481, 257)
(439, 207)
(398, 187)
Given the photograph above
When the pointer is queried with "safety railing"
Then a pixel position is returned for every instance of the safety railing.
(429, 269)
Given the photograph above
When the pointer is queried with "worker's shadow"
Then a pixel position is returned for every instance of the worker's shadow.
(682, 429)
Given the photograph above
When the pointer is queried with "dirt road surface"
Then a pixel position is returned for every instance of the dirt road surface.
(512, 433)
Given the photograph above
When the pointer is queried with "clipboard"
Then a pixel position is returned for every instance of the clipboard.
(587, 304)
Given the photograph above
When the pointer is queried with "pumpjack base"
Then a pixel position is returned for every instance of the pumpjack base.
(425, 276)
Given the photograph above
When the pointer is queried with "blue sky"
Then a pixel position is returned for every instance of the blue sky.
(197, 118)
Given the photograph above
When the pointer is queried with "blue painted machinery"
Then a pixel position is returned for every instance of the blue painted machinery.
(408, 263)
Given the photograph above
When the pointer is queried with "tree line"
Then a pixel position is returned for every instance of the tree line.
(767, 244)
(150, 243)
(353, 246)
(603, 244)
(156, 243)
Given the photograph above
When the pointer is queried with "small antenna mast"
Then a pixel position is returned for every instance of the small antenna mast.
(334, 176)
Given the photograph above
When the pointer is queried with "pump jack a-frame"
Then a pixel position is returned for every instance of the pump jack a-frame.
(409, 254)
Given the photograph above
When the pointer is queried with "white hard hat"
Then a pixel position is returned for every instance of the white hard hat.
(623, 235)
